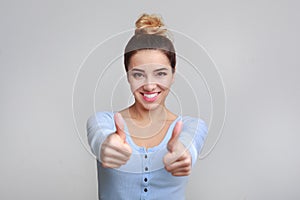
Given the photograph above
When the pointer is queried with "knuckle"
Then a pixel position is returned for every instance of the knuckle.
(109, 139)
(130, 151)
(165, 161)
(104, 151)
(187, 162)
(168, 168)
(190, 168)
(127, 152)
(187, 170)
(176, 174)
(186, 156)
(104, 164)
(190, 158)
(104, 160)
(121, 162)
(128, 157)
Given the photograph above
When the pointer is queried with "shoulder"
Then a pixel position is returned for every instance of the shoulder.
(194, 123)
(188, 120)
(100, 118)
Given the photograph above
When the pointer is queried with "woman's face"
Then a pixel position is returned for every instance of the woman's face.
(150, 77)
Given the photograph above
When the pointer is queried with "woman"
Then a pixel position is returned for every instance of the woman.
(145, 151)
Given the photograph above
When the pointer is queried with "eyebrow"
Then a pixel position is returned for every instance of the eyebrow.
(161, 69)
(140, 70)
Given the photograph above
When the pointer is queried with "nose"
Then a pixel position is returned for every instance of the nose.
(149, 86)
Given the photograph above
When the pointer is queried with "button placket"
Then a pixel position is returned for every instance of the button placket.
(146, 174)
(146, 163)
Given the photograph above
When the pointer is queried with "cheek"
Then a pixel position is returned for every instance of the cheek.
(166, 83)
(134, 84)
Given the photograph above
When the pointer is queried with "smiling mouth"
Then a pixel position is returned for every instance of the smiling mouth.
(150, 97)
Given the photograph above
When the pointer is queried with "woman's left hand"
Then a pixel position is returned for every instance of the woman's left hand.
(178, 160)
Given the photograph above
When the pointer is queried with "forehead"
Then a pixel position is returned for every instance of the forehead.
(149, 57)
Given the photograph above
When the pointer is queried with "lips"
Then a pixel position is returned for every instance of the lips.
(150, 97)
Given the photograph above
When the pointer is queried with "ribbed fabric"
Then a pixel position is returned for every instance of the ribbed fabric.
(144, 175)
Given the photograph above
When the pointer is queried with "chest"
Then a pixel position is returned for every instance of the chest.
(149, 135)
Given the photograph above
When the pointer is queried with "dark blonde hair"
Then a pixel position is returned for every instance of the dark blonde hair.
(150, 33)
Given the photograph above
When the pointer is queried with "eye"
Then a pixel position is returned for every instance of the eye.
(137, 75)
(161, 74)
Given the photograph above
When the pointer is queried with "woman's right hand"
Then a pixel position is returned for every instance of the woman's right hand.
(115, 151)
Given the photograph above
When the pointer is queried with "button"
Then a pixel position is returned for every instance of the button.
(146, 168)
(145, 179)
(146, 156)
(145, 190)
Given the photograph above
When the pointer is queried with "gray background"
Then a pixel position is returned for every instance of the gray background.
(255, 45)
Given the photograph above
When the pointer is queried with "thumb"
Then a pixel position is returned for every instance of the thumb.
(175, 136)
(119, 122)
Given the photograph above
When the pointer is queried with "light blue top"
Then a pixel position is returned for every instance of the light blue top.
(144, 175)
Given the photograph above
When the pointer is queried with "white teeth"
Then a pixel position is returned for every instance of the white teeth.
(150, 95)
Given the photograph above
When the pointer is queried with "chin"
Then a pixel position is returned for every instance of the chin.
(148, 106)
(152, 106)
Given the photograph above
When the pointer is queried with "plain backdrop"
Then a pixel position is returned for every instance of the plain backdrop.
(43, 44)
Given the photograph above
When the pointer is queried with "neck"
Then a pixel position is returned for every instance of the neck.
(143, 115)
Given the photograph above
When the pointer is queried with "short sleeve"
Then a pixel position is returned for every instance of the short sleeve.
(193, 135)
(99, 126)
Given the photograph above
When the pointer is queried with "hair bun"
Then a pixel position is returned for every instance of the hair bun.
(150, 24)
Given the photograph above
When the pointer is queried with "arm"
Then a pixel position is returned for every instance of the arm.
(99, 126)
(193, 135)
(184, 146)
(107, 139)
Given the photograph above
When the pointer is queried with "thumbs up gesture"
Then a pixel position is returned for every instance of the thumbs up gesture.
(178, 160)
(114, 150)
